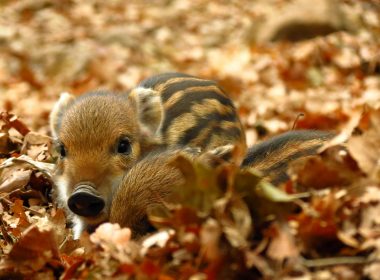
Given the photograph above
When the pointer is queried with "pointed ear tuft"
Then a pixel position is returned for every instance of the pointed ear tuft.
(56, 114)
(149, 110)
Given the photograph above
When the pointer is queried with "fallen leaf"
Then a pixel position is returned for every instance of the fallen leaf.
(35, 248)
(17, 180)
(365, 148)
(12, 121)
(283, 245)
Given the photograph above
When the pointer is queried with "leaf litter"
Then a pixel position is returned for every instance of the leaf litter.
(323, 223)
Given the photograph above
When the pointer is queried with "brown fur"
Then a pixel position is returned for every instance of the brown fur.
(163, 86)
(192, 111)
(90, 128)
(55, 117)
(192, 90)
(150, 112)
(286, 152)
(170, 110)
(179, 126)
(152, 179)
(149, 182)
(271, 156)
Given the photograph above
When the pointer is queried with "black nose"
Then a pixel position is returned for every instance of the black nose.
(85, 202)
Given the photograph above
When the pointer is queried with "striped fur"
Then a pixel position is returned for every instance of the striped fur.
(272, 156)
(171, 110)
(195, 112)
(151, 180)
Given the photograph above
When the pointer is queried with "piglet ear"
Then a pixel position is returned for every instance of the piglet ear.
(149, 110)
(56, 114)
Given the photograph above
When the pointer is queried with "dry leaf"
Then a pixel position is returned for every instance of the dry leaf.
(282, 245)
(365, 148)
(17, 180)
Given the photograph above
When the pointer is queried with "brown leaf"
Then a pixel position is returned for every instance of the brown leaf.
(58, 220)
(282, 245)
(201, 188)
(210, 235)
(318, 225)
(72, 264)
(12, 121)
(369, 212)
(234, 216)
(336, 165)
(149, 268)
(17, 180)
(37, 146)
(317, 121)
(46, 168)
(18, 210)
(6, 145)
(346, 131)
(35, 248)
(365, 148)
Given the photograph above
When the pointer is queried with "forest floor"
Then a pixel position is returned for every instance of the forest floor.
(329, 82)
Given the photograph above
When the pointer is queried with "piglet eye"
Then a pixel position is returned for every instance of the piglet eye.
(62, 150)
(124, 146)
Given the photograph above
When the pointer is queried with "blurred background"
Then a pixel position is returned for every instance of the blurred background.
(277, 59)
